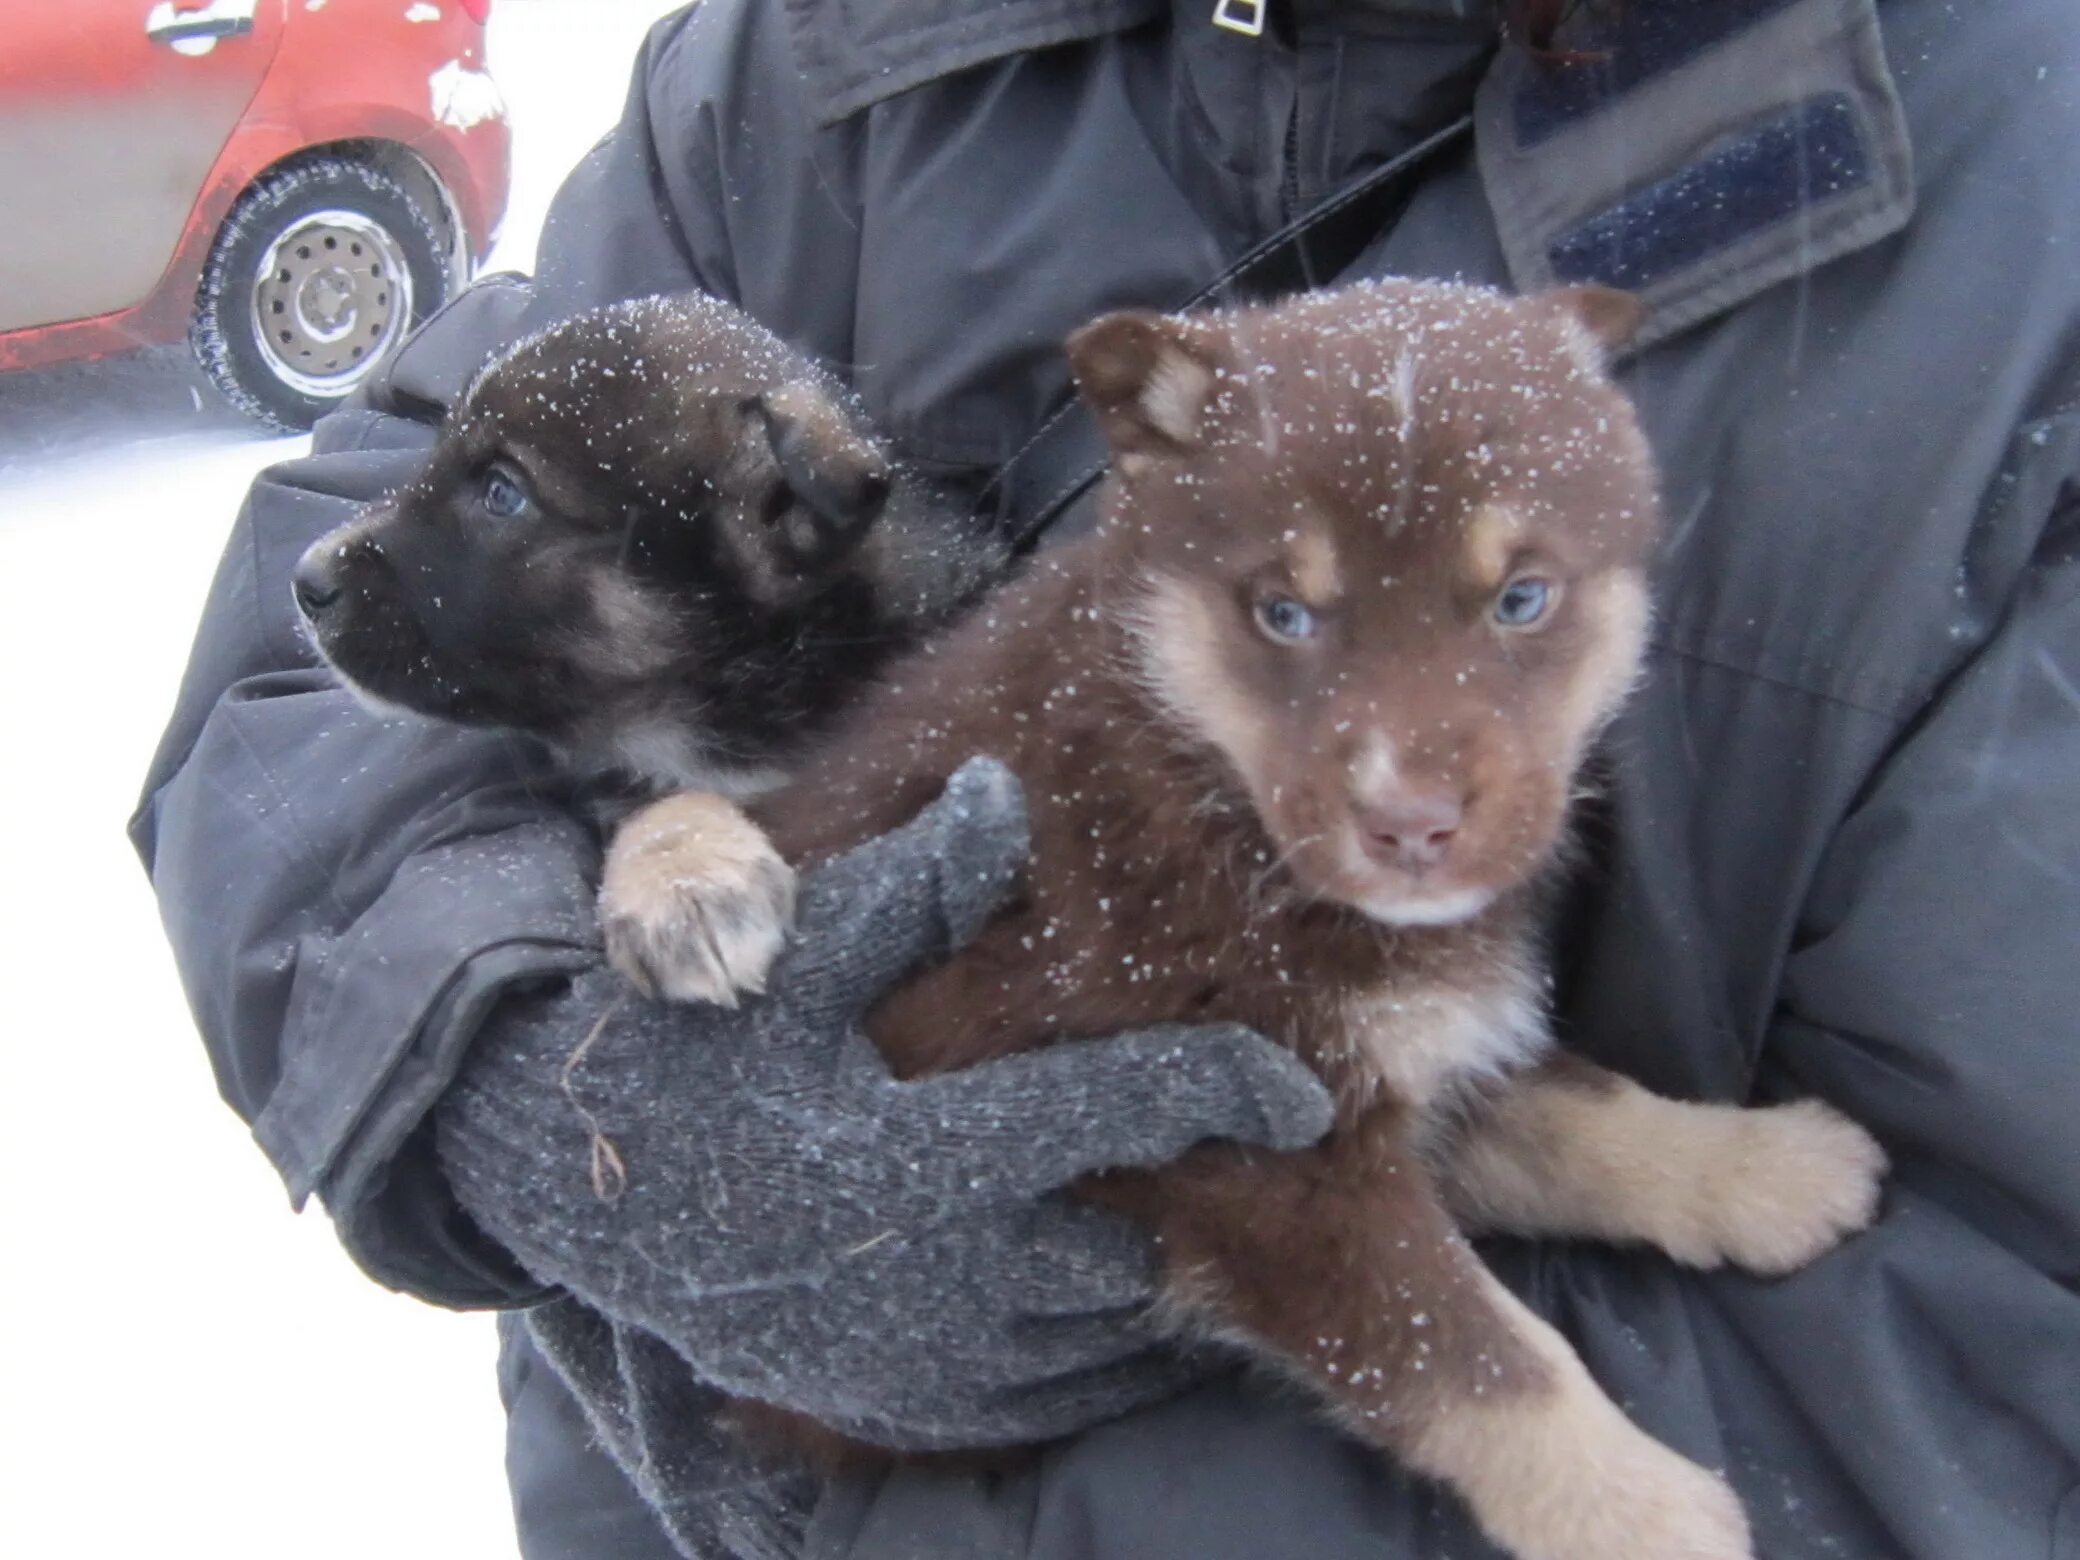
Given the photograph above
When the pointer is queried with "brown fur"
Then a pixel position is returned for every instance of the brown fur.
(1208, 807)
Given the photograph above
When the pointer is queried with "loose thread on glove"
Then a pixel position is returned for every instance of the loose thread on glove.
(609, 1174)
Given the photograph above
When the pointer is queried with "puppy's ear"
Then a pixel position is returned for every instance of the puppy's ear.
(1148, 377)
(839, 476)
(831, 486)
(1611, 318)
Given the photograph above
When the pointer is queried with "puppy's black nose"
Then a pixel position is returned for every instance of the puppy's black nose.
(314, 585)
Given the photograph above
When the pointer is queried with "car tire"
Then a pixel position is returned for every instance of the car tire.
(320, 271)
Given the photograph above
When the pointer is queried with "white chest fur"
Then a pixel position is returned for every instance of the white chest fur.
(1423, 1042)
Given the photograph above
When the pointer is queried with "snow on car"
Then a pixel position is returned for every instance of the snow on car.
(290, 183)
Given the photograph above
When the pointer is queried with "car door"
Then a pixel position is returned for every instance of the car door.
(112, 113)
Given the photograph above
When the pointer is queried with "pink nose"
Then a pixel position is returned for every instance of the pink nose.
(1412, 830)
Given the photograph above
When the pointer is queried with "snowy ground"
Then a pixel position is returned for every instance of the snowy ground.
(184, 1367)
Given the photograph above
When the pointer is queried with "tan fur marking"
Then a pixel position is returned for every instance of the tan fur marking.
(1312, 557)
(695, 904)
(1606, 319)
(1491, 536)
(1765, 1189)
(1617, 605)
(1590, 355)
(635, 634)
(1562, 1474)
(1420, 1043)
(1375, 765)
(1174, 399)
(1179, 644)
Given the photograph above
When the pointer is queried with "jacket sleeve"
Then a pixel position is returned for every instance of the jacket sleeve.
(1933, 994)
(346, 894)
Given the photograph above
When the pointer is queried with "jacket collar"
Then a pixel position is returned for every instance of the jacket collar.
(1693, 152)
(856, 53)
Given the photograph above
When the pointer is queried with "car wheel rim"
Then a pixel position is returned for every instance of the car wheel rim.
(331, 297)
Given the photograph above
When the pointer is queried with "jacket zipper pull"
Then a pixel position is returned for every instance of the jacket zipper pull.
(1241, 16)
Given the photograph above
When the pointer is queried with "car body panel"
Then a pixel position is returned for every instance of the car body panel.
(110, 135)
(340, 71)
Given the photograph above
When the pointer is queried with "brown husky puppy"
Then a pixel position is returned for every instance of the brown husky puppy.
(1298, 732)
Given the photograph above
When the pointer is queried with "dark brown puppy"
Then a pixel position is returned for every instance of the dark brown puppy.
(666, 542)
(1298, 732)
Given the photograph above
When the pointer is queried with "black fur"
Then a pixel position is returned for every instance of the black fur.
(654, 535)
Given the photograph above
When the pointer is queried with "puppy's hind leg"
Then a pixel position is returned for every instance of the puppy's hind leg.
(695, 904)
(1567, 1148)
(1340, 1263)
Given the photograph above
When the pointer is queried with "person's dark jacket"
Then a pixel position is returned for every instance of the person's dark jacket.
(1839, 850)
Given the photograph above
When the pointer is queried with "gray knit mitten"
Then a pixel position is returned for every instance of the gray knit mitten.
(753, 1187)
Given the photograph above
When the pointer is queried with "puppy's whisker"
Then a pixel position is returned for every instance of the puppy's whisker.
(1277, 863)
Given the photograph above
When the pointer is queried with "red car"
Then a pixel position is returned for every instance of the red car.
(290, 183)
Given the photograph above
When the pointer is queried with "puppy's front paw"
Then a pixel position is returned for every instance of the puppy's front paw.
(1564, 1475)
(695, 903)
(1658, 1506)
(1807, 1178)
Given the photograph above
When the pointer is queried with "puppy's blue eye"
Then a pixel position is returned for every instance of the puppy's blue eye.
(1523, 602)
(1285, 619)
(502, 495)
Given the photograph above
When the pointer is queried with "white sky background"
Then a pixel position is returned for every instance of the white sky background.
(184, 1366)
